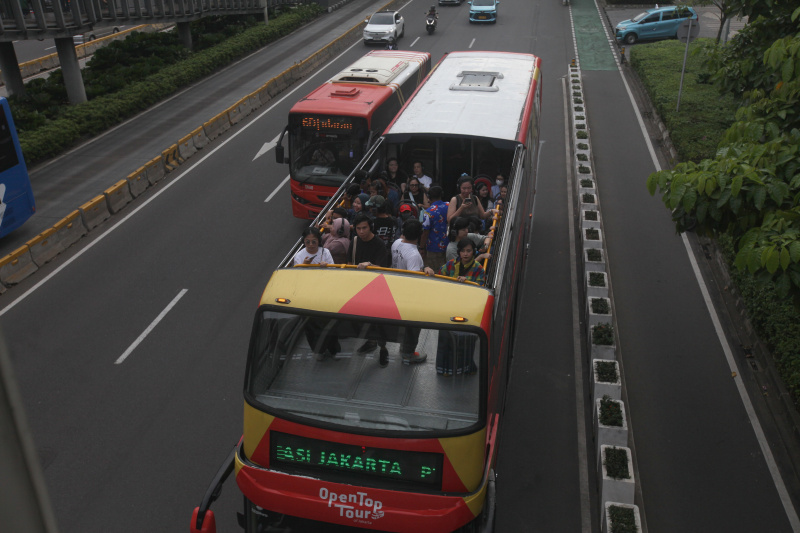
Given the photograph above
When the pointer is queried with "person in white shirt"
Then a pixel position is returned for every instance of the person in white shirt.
(426, 181)
(406, 256)
(311, 253)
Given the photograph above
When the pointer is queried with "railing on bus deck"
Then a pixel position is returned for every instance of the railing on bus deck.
(385, 269)
(493, 229)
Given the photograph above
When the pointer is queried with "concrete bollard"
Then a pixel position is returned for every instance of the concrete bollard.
(45, 246)
(186, 147)
(199, 138)
(155, 170)
(137, 181)
(69, 229)
(118, 196)
(17, 266)
(171, 158)
(94, 212)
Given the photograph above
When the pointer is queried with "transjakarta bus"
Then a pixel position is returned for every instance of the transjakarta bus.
(343, 442)
(16, 195)
(330, 130)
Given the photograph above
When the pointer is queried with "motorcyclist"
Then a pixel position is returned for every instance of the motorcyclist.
(391, 44)
(432, 12)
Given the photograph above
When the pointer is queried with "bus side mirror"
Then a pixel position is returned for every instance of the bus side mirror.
(279, 155)
(207, 525)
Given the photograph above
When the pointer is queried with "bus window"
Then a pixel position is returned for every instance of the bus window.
(319, 155)
(353, 391)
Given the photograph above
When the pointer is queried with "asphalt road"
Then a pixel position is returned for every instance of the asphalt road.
(132, 446)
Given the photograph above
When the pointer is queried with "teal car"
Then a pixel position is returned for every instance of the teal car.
(661, 23)
(483, 10)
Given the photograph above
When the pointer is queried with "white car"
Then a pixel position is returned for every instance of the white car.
(384, 25)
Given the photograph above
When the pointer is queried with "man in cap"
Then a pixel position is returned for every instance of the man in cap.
(385, 224)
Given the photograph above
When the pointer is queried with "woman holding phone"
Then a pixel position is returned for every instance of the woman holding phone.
(311, 253)
(465, 204)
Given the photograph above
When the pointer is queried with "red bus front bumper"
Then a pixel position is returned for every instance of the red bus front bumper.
(351, 505)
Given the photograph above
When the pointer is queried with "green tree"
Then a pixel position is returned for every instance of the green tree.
(751, 190)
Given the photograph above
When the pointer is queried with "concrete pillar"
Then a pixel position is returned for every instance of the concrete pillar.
(10, 67)
(70, 67)
(185, 34)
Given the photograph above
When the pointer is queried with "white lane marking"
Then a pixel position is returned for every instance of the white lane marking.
(150, 328)
(772, 466)
(471, 43)
(413, 42)
(166, 187)
(267, 147)
(277, 189)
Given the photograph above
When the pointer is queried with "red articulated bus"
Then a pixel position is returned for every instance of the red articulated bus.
(331, 129)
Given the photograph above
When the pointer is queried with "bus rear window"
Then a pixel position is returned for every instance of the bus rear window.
(310, 367)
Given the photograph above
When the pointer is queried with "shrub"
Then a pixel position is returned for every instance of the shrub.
(610, 412)
(616, 463)
(603, 334)
(587, 183)
(606, 371)
(600, 306)
(583, 157)
(592, 234)
(590, 215)
(583, 146)
(587, 198)
(597, 279)
(594, 254)
(704, 115)
(583, 169)
(578, 109)
(623, 519)
(581, 135)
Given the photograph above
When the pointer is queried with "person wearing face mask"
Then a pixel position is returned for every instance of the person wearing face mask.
(498, 182)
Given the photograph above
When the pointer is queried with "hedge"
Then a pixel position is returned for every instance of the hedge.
(704, 115)
(83, 121)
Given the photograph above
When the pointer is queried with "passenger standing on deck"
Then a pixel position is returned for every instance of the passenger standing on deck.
(434, 230)
(466, 204)
(311, 253)
(366, 249)
(385, 226)
(419, 173)
(405, 256)
(337, 241)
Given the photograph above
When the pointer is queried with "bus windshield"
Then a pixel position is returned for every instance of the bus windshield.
(310, 367)
(325, 150)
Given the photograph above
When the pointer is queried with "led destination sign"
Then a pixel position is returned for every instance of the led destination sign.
(418, 467)
(323, 123)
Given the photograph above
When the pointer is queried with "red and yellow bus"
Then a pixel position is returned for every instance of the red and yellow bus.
(330, 129)
(341, 440)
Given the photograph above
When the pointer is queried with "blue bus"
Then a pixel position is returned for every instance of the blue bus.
(16, 195)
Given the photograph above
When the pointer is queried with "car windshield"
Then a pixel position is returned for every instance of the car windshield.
(482, 3)
(639, 17)
(310, 367)
(382, 19)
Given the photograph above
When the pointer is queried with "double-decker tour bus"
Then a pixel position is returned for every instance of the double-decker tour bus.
(330, 130)
(16, 195)
(339, 436)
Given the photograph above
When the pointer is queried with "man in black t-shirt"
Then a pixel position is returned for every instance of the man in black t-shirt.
(384, 224)
(366, 249)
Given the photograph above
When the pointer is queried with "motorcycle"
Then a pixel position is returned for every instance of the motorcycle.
(430, 24)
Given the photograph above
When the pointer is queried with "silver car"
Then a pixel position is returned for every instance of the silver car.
(384, 25)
